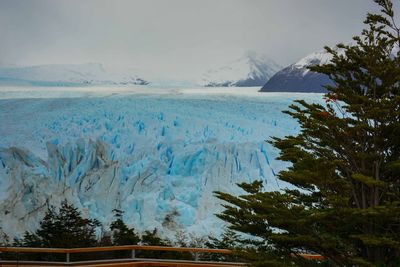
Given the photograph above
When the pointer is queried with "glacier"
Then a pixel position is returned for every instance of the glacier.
(66, 75)
(156, 154)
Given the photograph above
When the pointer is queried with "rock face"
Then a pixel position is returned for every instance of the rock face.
(250, 70)
(66, 75)
(298, 78)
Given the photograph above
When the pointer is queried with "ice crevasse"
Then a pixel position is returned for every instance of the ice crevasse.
(157, 159)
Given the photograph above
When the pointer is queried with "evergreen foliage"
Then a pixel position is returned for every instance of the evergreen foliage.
(345, 165)
(66, 228)
(121, 233)
(151, 238)
(228, 240)
(63, 229)
(4, 238)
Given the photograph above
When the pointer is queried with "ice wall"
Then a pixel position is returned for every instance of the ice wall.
(158, 158)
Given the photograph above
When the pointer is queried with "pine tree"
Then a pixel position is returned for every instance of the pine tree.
(345, 164)
(65, 228)
(228, 240)
(152, 238)
(121, 233)
(4, 238)
(29, 240)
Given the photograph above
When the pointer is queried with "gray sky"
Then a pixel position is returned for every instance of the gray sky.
(179, 38)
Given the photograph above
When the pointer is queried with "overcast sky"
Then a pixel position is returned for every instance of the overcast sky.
(174, 37)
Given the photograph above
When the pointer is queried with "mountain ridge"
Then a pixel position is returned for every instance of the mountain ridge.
(298, 77)
(252, 69)
(66, 75)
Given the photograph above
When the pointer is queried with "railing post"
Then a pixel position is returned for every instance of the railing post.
(196, 256)
(133, 254)
(67, 258)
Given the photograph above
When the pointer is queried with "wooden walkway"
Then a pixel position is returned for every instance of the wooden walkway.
(133, 261)
(120, 264)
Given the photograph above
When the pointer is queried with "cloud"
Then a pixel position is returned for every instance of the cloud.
(176, 37)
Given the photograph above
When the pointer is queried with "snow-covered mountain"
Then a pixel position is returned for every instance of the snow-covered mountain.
(65, 75)
(298, 78)
(252, 69)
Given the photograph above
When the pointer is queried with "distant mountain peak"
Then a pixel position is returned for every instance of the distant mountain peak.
(66, 75)
(298, 78)
(252, 69)
(317, 58)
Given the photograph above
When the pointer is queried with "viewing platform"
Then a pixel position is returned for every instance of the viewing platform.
(123, 262)
(132, 261)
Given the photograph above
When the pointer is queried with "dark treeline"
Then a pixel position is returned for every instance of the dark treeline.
(67, 228)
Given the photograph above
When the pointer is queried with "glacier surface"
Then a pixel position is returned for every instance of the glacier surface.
(158, 155)
(66, 75)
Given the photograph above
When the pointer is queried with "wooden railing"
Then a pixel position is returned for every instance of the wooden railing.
(132, 261)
